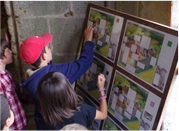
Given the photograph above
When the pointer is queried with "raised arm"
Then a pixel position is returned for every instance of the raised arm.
(102, 112)
(74, 70)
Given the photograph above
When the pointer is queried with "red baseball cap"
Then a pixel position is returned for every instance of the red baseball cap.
(31, 48)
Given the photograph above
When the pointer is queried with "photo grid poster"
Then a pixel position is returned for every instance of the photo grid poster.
(88, 81)
(107, 30)
(129, 102)
(146, 53)
(141, 53)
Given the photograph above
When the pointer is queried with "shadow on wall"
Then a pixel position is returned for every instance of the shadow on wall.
(3, 15)
(3, 20)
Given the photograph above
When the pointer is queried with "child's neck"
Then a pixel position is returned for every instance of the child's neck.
(6, 128)
(41, 65)
(2, 67)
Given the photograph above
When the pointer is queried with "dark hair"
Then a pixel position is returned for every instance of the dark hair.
(5, 110)
(56, 98)
(3, 46)
(38, 61)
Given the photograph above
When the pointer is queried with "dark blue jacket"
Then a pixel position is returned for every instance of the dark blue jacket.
(86, 115)
(72, 71)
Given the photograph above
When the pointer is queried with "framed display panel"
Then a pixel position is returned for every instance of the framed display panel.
(131, 104)
(109, 124)
(107, 31)
(140, 67)
(88, 81)
(146, 52)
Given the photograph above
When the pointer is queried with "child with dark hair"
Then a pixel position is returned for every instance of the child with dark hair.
(6, 115)
(60, 105)
(9, 87)
(35, 50)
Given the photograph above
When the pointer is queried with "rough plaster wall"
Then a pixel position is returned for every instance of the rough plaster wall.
(129, 7)
(170, 121)
(156, 11)
(174, 14)
(14, 46)
(3, 16)
(150, 8)
(63, 19)
(3, 20)
(110, 4)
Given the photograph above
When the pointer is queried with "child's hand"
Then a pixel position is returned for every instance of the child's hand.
(88, 33)
(101, 81)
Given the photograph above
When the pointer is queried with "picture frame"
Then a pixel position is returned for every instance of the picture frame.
(145, 53)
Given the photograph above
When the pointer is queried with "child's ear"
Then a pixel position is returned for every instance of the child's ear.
(7, 122)
(44, 56)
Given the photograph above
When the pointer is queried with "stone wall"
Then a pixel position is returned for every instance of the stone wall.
(157, 11)
(63, 19)
(3, 20)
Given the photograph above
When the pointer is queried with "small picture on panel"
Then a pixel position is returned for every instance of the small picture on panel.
(152, 104)
(148, 116)
(144, 125)
(159, 79)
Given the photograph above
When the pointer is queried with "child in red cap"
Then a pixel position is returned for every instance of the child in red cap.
(35, 51)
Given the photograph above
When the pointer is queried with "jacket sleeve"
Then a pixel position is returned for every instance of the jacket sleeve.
(89, 111)
(74, 70)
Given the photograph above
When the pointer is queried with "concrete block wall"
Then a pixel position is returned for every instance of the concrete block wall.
(63, 19)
